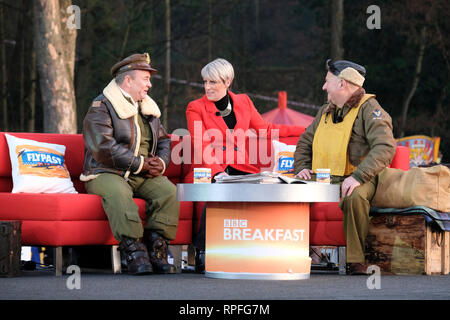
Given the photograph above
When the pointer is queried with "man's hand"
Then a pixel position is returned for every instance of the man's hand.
(305, 174)
(348, 186)
(145, 168)
(152, 167)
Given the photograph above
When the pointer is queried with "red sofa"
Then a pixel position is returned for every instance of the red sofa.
(59, 220)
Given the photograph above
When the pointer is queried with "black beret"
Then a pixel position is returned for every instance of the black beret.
(347, 70)
(337, 66)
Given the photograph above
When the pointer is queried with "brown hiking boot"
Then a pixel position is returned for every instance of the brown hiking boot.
(199, 261)
(356, 269)
(158, 250)
(134, 257)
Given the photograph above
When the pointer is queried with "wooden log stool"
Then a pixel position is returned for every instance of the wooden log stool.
(406, 244)
(10, 248)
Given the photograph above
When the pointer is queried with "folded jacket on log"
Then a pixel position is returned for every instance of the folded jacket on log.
(429, 187)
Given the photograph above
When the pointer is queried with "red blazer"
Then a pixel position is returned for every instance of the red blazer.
(209, 150)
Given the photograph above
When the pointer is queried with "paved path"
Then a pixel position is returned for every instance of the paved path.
(43, 285)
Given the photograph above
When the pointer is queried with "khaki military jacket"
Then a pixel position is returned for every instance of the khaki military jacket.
(371, 147)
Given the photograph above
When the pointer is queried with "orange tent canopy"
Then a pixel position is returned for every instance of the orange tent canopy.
(285, 115)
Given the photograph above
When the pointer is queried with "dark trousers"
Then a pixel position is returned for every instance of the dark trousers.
(199, 238)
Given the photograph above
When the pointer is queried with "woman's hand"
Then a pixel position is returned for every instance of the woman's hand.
(221, 174)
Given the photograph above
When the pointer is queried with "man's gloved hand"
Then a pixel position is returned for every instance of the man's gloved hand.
(152, 167)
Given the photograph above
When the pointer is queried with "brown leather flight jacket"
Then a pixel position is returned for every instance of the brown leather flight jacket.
(110, 142)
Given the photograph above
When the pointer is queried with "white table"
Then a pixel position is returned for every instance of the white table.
(258, 231)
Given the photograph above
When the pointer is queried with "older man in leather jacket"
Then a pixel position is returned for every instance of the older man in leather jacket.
(127, 151)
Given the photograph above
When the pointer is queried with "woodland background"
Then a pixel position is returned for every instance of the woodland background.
(50, 73)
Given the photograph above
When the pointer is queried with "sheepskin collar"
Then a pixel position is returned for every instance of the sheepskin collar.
(124, 108)
(352, 102)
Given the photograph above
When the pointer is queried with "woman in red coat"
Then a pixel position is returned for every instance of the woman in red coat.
(223, 126)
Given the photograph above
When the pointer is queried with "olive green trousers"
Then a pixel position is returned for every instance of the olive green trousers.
(356, 209)
(162, 206)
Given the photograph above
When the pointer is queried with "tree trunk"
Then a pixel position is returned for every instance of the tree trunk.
(22, 85)
(167, 75)
(151, 21)
(415, 82)
(21, 46)
(124, 41)
(337, 22)
(3, 68)
(32, 93)
(55, 47)
(68, 36)
(257, 29)
(209, 30)
(439, 114)
(31, 69)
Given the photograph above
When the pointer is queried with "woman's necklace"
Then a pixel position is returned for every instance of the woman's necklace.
(227, 111)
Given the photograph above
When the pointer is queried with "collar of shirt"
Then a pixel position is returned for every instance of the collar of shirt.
(129, 98)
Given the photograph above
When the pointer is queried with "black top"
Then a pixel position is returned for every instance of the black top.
(230, 120)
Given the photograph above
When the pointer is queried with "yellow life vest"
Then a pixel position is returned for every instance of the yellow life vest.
(330, 144)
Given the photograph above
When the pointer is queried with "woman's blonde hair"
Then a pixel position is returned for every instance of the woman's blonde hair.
(219, 69)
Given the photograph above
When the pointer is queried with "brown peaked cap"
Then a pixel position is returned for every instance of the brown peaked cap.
(136, 61)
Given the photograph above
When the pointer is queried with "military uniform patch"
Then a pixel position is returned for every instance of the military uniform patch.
(96, 103)
(377, 114)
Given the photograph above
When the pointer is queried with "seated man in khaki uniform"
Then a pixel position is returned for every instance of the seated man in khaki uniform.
(352, 136)
(127, 151)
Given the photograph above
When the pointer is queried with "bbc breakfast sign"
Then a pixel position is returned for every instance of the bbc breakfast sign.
(257, 238)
